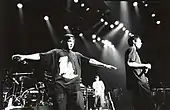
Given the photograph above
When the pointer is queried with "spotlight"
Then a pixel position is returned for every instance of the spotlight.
(127, 31)
(112, 26)
(135, 4)
(116, 22)
(146, 5)
(87, 9)
(153, 15)
(102, 20)
(65, 27)
(158, 22)
(105, 23)
(76, 1)
(98, 39)
(103, 41)
(124, 29)
(98, 10)
(19, 5)
(143, 1)
(46, 18)
(94, 40)
(81, 34)
(93, 36)
(121, 25)
(106, 43)
(82, 5)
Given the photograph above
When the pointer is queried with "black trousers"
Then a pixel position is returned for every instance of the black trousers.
(141, 99)
(67, 99)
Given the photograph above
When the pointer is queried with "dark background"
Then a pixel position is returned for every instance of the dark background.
(33, 35)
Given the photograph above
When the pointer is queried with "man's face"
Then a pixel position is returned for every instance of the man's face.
(138, 43)
(70, 43)
(97, 78)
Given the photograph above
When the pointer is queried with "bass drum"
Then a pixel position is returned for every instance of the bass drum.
(30, 97)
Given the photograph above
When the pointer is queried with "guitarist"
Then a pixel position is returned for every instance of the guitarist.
(99, 90)
(136, 80)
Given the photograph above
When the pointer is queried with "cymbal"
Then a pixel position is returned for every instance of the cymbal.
(17, 74)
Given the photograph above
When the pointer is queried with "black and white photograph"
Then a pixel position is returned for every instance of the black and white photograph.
(84, 55)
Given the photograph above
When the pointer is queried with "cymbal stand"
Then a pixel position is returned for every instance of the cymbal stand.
(10, 102)
(111, 102)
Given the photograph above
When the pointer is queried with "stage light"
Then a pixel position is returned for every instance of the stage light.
(98, 39)
(106, 43)
(153, 15)
(82, 5)
(87, 9)
(158, 22)
(127, 31)
(105, 23)
(121, 25)
(112, 26)
(65, 27)
(102, 20)
(93, 36)
(46, 18)
(124, 29)
(116, 22)
(143, 1)
(81, 34)
(135, 4)
(19, 5)
(146, 5)
(130, 34)
(98, 10)
(76, 1)
(94, 40)
(103, 41)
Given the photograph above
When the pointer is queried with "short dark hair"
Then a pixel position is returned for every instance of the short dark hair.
(68, 36)
(97, 76)
(131, 39)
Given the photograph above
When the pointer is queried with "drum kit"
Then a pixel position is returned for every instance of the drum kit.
(19, 91)
(161, 97)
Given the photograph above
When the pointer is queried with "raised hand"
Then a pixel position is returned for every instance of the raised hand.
(18, 57)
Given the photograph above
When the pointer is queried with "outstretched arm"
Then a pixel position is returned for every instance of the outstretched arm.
(35, 56)
(95, 62)
(100, 64)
